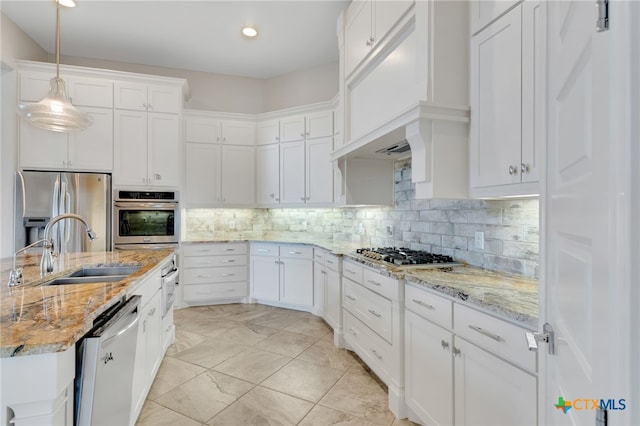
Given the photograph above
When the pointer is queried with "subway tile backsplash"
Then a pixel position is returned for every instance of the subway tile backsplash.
(511, 227)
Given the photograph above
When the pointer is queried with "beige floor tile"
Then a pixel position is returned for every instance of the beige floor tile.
(323, 416)
(286, 343)
(304, 380)
(324, 352)
(310, 326)
(248, 334)
(263, 407)
(205, 395)
(211, 352)
(184, 340)
(156, 415)
(275, 319)
(172, 373)
(253, 365)
(357, 393)
(249, 312)
(207, 326)
(404, 422)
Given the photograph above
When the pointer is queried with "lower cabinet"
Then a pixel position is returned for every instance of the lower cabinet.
(283, 274)
(479, 370)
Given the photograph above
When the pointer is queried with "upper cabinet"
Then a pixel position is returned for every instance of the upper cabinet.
(482, 13)
(147, 97)
(507, 97)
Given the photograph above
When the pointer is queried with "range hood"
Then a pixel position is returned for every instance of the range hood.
(397, 148)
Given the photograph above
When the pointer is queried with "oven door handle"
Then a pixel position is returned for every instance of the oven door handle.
(163, 206)
(171, 277)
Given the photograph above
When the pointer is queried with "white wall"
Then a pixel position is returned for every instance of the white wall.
(18, 45)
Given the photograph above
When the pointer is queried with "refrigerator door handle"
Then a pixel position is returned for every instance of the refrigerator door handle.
(55, 211)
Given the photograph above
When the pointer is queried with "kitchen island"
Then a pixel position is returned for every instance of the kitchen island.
(40, 325)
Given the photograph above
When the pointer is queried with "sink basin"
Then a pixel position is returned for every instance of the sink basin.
(86, 279)
(102, 271)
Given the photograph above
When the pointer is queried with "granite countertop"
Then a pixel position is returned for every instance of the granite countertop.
(508, 296)
(37, 319)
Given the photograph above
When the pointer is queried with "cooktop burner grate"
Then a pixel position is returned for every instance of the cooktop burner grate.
(403, 256)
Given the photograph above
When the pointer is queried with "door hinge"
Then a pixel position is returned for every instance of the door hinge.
(547, 336)
(601, 418)
(602, 23)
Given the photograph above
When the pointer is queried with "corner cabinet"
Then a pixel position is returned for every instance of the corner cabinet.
(507, 103)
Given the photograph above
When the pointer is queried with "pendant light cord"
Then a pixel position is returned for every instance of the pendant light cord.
(57, 39)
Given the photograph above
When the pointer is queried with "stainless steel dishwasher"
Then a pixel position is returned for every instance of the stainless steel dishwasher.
(105, 375)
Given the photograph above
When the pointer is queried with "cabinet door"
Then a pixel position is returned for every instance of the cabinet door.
(91, 92)
(320, 287)
(268, 132)
(268, 174)
(34, 85)
(496, 103)
(164, 149)
(333, 299)
(297, 282)
(292, 175)
(485, 11)
(319, 182)
(164, 99)
(491, 391)
(428, 385)
(386, 15)
(202, 175)
(130, 148)
(265, 278)
(131, 96)
(201, 130)
(92, 149)
(42, 148)
(238, 175)
(152, 321)
(238, 133)
(357, 39)
(292, 129)
(319, 124)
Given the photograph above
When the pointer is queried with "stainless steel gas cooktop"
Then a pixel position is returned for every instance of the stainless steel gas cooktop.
(406, 257)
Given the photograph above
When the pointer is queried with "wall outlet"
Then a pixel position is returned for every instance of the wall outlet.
(232, 224)
(360, 229)
(479, 242)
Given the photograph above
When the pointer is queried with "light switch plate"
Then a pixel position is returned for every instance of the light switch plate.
(479, 242)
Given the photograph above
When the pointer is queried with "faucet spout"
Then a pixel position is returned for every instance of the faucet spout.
(46, 263)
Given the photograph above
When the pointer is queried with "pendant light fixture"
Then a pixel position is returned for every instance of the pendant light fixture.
(55, 112)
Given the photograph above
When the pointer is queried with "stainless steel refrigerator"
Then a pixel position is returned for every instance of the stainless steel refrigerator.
(43, 195)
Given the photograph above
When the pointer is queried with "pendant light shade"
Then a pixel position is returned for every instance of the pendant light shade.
(55, 112)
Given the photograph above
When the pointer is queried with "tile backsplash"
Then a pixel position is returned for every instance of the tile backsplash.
(510, 227)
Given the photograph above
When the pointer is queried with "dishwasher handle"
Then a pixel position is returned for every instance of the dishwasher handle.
(131, 308)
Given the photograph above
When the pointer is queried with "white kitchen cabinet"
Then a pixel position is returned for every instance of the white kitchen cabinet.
(202, 130)
(328, 286)
(268, 132)
(366, 25)
(202, 176)
(214, 273)
(319, 171)
(238, 132)
(484, 12)
(147, 97)
(268, 174)
(319, 281)
(292, 129)
(282, 274)
(238, 175)
(146, 149)
(82, 91)
(292, 173)
(507, 97)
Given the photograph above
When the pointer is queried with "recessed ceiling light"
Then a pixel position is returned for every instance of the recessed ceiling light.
(67, 3)
(249, 32)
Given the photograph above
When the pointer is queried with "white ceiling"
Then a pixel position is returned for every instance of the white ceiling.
(192, 35)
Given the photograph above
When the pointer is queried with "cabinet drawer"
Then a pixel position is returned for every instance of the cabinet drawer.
(215, 275)
(214, 249)
(352, 271)
(319, 255)
(296, 251)
(332, 261)
(499, 337)
(210, 261)
(265, 250)
(428, 305)
(373, 309)
(373, 350)
(386, 286)
(206, 292)
(147, 288)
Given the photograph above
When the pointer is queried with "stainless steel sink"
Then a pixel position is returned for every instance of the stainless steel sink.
(86, 280)
(101, 271)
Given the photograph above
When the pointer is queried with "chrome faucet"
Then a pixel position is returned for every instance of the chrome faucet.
(46, 263)
(15, 276)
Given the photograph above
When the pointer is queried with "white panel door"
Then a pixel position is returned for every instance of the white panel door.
(292, 129)
(201, 130)
(130, 148)
(357, 34)
(265, 278)
(268, 132)
(333, 299)
(42, 148)
(296, 282)
(132, 96)
(92, 148)
(268, 174)
(319, 124)
(319, 182)
(164, 99)
(238, 133)
(164, 149)
(496, 102)
(238, 176)
(91, 92)
(386, 15)
(202, 175)
(292, 185)
(585, 254)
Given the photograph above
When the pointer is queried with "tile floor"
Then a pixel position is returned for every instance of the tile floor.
(261, 365)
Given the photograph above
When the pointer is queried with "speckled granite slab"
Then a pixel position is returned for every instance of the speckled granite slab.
(37, 319)
(512, 297)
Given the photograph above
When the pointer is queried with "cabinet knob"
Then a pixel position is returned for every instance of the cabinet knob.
(524, 168)
(277, 138)
(145, 106)
(513, 170)
(302, 198)
(272, 195)
(277, 199)
(455, 351)
(156, 176)
(302, 135)
(445, 345)
(150, 106)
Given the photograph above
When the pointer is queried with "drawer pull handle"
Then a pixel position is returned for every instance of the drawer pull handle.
(373, 282)
(445, 345)
(486, 333)
(323, 272)
(350, 271)
(229, 249)
(295, 252)
(421, 303)
(350, 297)
(374, 313)
(231, 290)
(376, 354)
(203, 251)
(228, 261)
(264, 250)
(329, 262)
(202, 292)
(352, 331)
(227, 275)
(204, 276)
